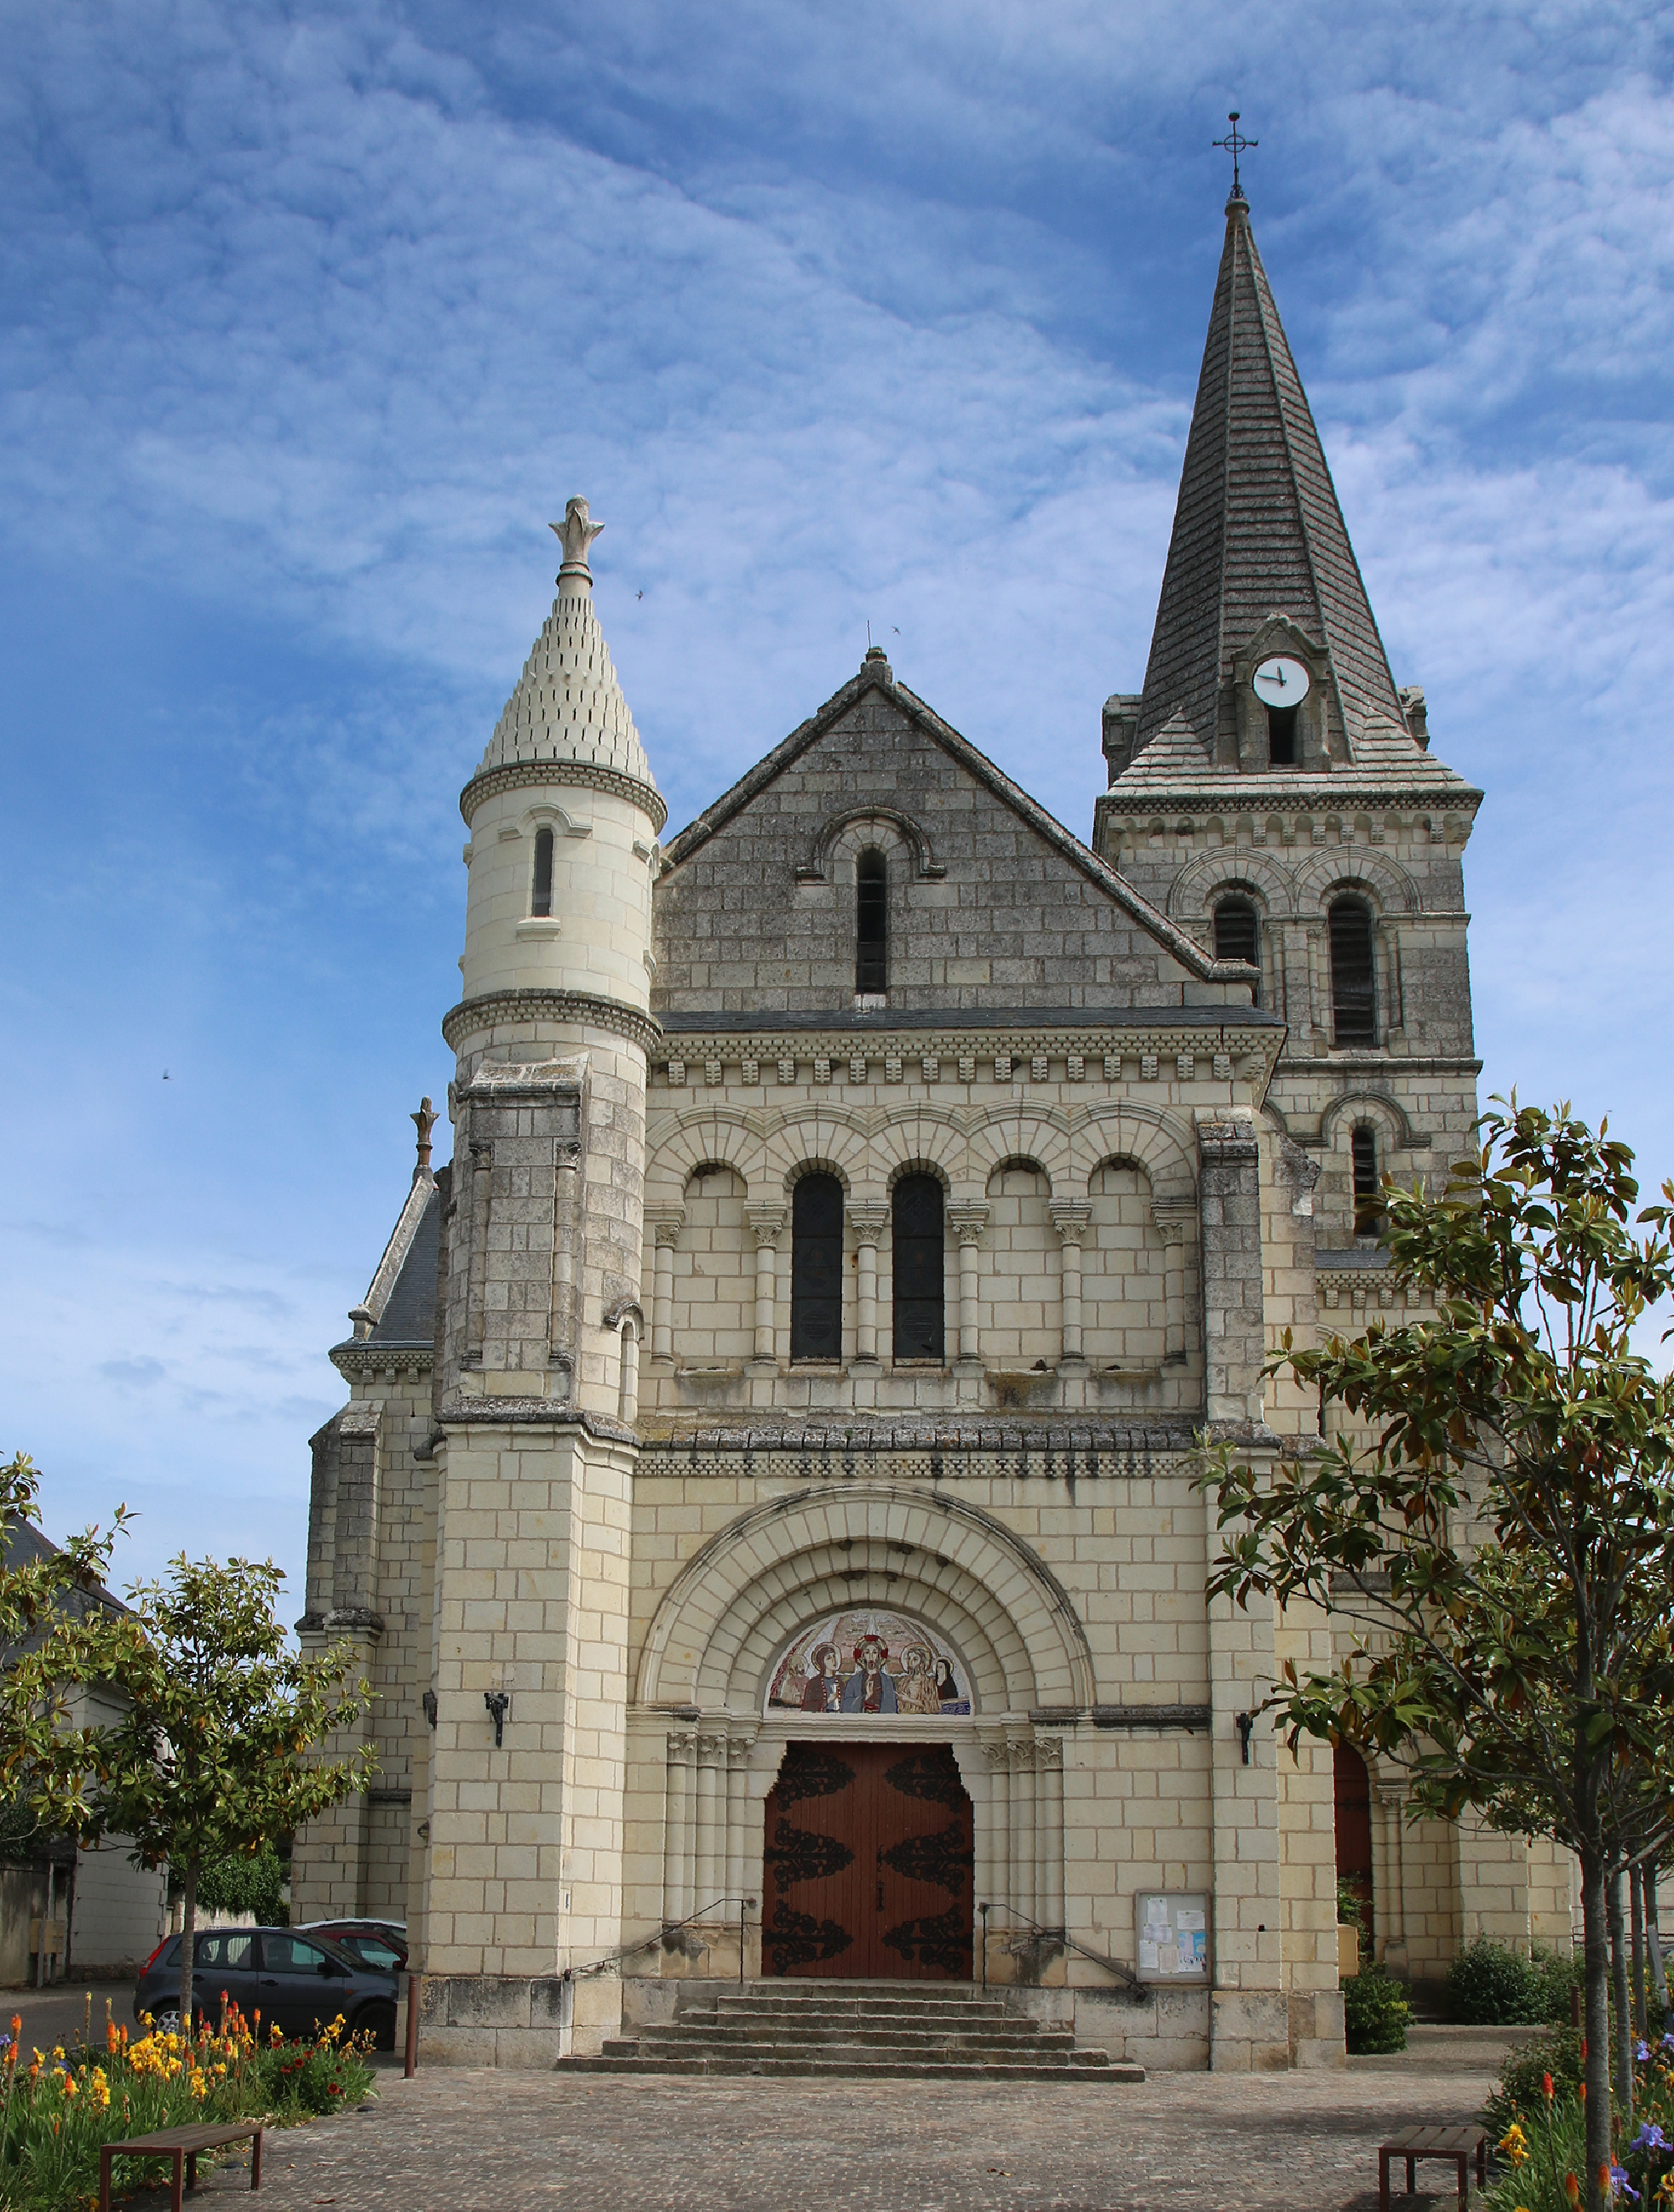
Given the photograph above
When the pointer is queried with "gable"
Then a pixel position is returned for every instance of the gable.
(992, 904)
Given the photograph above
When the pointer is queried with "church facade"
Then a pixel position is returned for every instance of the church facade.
(780, 1417)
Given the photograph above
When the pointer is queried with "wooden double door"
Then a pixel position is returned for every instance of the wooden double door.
(868, 1857)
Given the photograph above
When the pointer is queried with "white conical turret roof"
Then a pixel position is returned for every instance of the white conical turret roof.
(568, 705)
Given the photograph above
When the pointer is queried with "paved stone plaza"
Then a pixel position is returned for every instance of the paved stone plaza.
(467, 2140)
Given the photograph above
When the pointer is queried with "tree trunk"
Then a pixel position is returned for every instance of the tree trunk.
(188, 1941)
(1624, 2026)
(1653, 1945)
(1636, 1921)
(1597, 2030)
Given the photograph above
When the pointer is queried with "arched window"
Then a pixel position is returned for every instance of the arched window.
(816, 1268)
(1368, 1195)
(540, 897)
(1354, 989)
(1281, 736)
(872, 922)
(1238, 935)
(918, 1276)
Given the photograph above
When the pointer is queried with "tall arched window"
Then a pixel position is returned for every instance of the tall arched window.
(816, 1268)
(919, 1244)
(1281, 736)
(1368, 1195)
(872, 922)
(1353, 987)
(1238, 935)
(540, 894)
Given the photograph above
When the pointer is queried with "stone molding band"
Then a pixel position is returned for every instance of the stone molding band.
(517, 775)
(481, 1013)
(488, 1411)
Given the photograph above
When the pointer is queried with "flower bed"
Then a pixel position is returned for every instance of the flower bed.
(1542, 2151)
(56, 2111)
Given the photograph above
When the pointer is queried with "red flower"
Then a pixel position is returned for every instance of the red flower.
(1546, 2090)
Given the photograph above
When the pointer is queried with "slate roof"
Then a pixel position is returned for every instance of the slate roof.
(410, 1312)
(1259, 532)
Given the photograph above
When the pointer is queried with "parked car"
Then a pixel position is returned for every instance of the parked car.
(381, 1943)
(298, 1981)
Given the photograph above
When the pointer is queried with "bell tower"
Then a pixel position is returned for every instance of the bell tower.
(538, 1343)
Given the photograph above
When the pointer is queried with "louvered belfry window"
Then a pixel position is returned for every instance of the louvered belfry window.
(872, 922)
(1237, 935)
(816, 1268)
(919, 1244)
(1354, 986)
(1281, 736)
(540, 897)
(1368, 1196)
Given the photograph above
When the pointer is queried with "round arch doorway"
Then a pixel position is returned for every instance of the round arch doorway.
(867, 1864)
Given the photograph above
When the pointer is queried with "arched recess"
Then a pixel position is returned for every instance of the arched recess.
(1031, 1134)
(856, 827)
(700, 1137)
(1386, 1114)
(920, 1139)
(1019, 1307)
(730, 1611)
(1162, 1143)
(822, 1134)
(1323, 876)
(1195, 889)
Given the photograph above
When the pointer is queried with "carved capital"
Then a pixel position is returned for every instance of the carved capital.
(967, 1220)
(680, 1742)
(766, 1221)
(869, 1220)
(1072, 1218)
(1049, 1751)
(667, 1222)
(1175, 1218)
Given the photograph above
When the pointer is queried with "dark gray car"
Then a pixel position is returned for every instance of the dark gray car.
(298, 1982)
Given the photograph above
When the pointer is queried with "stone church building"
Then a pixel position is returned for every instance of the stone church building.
(764, 1502)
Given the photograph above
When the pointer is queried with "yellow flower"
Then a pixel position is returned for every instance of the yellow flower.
(1514, 2143)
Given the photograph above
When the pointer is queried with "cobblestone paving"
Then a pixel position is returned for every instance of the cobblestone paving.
(468, 2141)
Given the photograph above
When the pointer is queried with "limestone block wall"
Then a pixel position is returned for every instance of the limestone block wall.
(522, 1874)
(1069, 1164)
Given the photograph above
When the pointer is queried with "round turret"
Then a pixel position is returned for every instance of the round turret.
(563, 814)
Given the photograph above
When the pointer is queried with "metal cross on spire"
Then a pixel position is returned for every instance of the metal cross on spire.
(1235, 143)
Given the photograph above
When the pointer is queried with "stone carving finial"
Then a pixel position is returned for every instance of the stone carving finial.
(576, 533)
(424, 1121)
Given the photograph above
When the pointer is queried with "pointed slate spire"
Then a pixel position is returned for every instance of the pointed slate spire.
(1257, 532)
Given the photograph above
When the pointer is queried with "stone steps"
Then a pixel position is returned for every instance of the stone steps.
(879, 2031)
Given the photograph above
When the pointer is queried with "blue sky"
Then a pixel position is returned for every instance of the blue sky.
(314, 317)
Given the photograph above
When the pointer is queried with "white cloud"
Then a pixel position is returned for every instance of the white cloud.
(315, 318)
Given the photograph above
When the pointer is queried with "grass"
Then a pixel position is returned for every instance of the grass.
(58, 2109)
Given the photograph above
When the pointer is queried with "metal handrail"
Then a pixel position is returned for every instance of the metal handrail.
(668, 1927)
(1141, 1990)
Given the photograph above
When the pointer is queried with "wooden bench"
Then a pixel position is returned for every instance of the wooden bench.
(183, 2146)
(1460, 2144)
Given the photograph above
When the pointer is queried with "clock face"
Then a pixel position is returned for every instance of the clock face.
(1280, 682)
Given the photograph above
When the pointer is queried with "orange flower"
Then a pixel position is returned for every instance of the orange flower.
(1546, 2089)
(1580, 2091)
(1572, 2188)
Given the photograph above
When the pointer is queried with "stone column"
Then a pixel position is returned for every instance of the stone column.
(676, 1900)
(563, 1339)
(994, 1877)
(766, 1221)
(711, 1753)
(870, 1222)
(968, 1222)
(1049, 1829)
(1175, 1220)
(738, 1799)
(1071, 1219)
(1024, 1853)
(666, 1224)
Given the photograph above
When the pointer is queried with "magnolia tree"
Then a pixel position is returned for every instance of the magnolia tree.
(213, 1756)
(56, 1620)
(1496, 1518)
